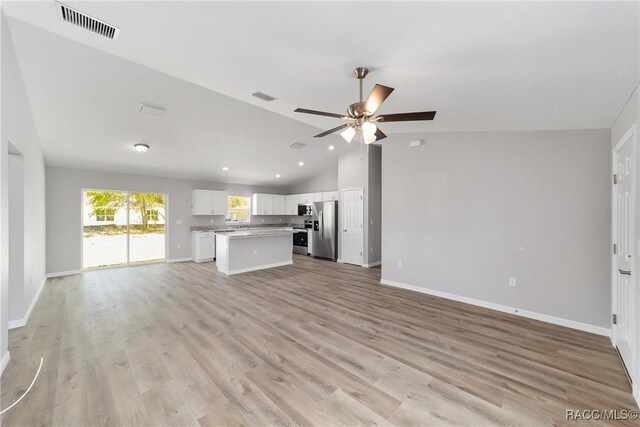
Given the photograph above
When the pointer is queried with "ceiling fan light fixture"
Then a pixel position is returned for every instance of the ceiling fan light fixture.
(369, 131)
(369, 139)
(348, 133)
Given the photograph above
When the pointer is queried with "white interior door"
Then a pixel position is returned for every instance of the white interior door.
(625, 305)
(352, 232)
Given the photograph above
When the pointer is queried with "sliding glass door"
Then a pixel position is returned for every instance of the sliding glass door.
(121, 228)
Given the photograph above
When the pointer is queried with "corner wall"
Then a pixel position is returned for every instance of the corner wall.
(19, 128)
(466, 211)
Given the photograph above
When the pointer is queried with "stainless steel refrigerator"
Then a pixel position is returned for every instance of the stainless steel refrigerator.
(325, 230)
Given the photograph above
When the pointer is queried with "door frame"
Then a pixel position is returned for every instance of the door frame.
(127, 264)
(340, 213)
(630, 136)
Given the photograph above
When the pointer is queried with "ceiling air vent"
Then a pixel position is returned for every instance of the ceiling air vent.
(87, 22)
(263, 96)
(297, 146)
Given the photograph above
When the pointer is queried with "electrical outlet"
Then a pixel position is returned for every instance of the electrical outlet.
(399, 263)
(255, 252)
(262, 220)
(211, 221)
(179, 245)
(513, 282)
(178, 221)
(371, 249)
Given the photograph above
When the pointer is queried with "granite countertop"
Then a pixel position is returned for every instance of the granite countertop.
(262, 232)
(236, 228)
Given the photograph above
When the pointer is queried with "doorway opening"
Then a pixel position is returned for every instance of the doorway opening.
(16, 237)
(122, 228)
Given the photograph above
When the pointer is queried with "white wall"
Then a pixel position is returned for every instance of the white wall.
(20, 129)
(466, 211)
(16, 237)
(325, 180)
(630, 116)
(64, 216)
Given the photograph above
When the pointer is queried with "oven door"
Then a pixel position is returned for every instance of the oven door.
(300, 241)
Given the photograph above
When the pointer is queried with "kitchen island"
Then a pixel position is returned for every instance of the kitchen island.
(248, 250)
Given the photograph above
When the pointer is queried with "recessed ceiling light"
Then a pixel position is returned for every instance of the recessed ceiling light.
(141, 148)
(278, 176)
(224, 168)
(331, 147)
(300, 163)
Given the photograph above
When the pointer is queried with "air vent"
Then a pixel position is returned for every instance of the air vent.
(263, 96)
(297, 146)
(88, 23)
(151, 110)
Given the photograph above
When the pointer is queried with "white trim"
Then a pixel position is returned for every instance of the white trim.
(63, 273)
(22, 322)
(372, 264)
(340, 261)
(503, 308)
(5, 361)
(260, 267)
(169, 261)
(636, 393)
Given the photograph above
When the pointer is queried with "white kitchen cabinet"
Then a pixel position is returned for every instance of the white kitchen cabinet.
(209, 202)
(220, 202)
(292, 204)
(203, 246)
(316, 197)
(261, 204)
(279, 204)
(201, 202)
(328, 196)
(305, 199)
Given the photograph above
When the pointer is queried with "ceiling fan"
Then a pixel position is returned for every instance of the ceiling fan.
(361, 114)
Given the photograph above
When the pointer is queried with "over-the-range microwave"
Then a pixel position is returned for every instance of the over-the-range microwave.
(304, 210)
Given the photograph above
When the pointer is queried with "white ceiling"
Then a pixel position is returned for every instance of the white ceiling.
(481, 65)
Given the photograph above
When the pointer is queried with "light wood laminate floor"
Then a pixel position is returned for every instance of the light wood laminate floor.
(314, 343)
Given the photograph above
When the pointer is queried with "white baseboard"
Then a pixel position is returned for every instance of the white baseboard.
(4, 362)
(178, 260)
(18, 323)
(262, 267)
(63, 273)
(503, 308)
(372, 264)
(339, 260)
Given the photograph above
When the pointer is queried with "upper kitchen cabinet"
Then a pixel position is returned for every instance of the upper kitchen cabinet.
(305, 199)
(209, 202)
(292, 204)
(316, 197)
(279, 204)
(328, 196)
(262, 204)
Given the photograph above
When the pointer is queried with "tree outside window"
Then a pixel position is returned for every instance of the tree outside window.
(238, 209)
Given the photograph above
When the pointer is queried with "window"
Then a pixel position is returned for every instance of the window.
(152, 215)
(238, 209)
(105, 214)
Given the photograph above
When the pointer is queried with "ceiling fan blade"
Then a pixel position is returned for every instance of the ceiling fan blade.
(380, 135)
(377, 96)
(320, 113)
(407, 117)
(330, 131)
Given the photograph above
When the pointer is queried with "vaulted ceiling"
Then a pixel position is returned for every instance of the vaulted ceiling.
(482, 66)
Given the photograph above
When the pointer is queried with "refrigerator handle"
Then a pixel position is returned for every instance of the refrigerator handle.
(321, 219)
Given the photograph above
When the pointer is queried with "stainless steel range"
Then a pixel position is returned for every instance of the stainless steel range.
(302, 238)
